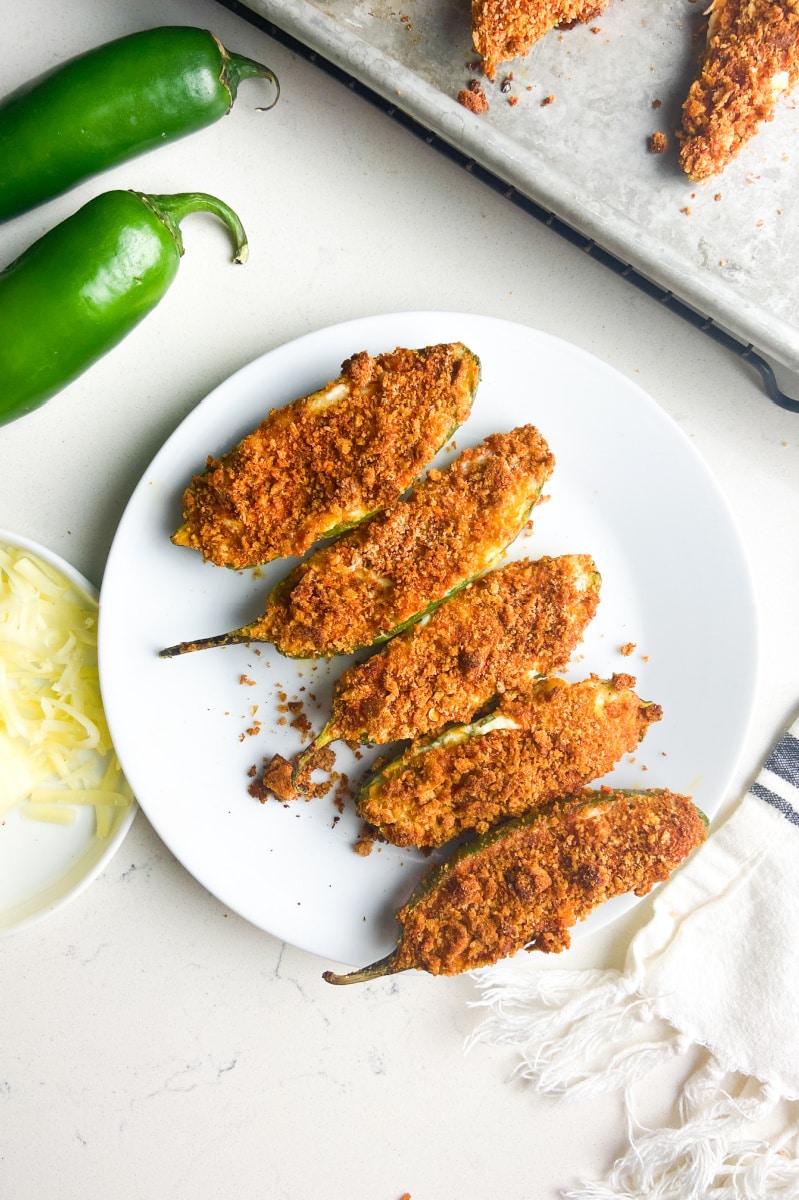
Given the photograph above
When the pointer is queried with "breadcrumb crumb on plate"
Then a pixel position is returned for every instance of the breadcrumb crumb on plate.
(473, 98)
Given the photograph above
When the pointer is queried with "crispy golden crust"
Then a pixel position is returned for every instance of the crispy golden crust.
(535, 746)
(329, 459)
(474, 98)
(750, 60)
(531, 881)
(519, 621)
(506, 29)
(386, 572)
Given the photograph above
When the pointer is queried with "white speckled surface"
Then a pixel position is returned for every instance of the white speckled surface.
(153, 1045)
(585, 156)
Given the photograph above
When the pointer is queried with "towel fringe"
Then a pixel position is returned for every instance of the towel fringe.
(578, 1033)
(709, 1157)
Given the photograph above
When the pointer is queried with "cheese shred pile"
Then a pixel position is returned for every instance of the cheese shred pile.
(55, 749)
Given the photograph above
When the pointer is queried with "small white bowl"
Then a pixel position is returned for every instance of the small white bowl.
(44, 866)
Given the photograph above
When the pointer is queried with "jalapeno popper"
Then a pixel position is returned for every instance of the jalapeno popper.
(327, 461)
(535, 746)
(383, 576)
(506, 29)
(750, 63)
(519, 621)
(524, 884)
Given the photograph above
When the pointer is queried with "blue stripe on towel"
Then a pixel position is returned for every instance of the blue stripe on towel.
(784, 759)
(772, 798)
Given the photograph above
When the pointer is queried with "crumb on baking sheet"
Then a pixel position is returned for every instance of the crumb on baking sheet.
(547, 100)
(658, 142)
(627, 649)
(473, 97)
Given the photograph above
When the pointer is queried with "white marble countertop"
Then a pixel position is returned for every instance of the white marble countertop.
(152, 1043)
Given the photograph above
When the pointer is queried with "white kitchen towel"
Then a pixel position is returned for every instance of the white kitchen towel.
(716, 967)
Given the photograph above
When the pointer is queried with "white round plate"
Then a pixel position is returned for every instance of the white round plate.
(44, 866)
(628, 488)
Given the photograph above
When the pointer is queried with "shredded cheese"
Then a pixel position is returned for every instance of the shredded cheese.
(55, 750)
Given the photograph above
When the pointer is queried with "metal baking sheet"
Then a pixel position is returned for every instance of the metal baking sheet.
(729, 248)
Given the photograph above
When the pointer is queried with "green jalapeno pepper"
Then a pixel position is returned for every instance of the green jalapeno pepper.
(111, 104)
(77, 292)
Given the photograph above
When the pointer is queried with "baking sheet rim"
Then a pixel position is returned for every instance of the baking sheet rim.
(771, 336)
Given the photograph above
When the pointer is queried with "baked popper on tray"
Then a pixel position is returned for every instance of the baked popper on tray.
(533, 747)
(506, 29)
(525, 883)
(750, 60)
(390, 571)
(327, 461)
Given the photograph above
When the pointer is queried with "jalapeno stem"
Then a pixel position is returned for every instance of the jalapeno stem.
(234, 638)
(376, 970)
(237, 67)
(171, 210)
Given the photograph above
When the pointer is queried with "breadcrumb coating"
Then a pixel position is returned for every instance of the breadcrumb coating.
(535, 746)
(750, 60)
(528, 882)
(392, 569)
(473, 98)
(326, 461)
(516, 622)
(506, 29)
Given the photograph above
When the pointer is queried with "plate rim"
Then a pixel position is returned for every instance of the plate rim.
(367, 322)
